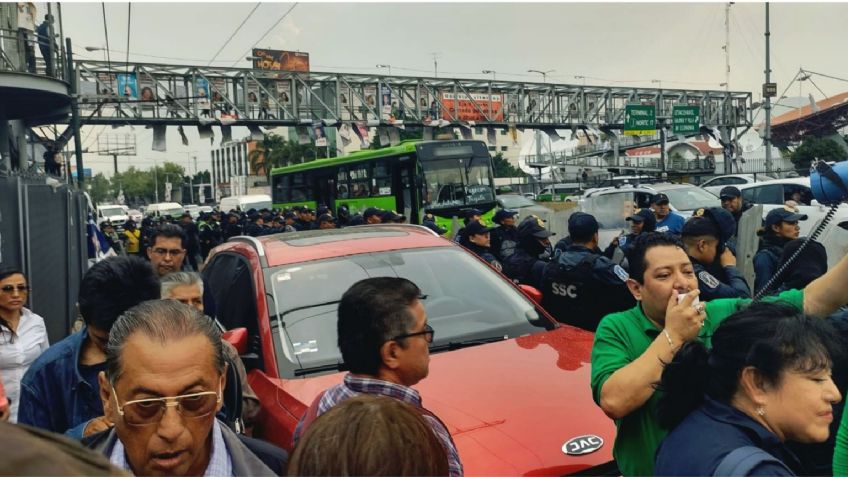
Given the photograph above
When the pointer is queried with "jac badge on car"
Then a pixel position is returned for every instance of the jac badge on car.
(581, 445)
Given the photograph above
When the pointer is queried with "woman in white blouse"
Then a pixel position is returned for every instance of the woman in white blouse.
(23, 336)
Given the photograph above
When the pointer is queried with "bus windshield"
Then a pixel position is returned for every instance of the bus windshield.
(457, 182)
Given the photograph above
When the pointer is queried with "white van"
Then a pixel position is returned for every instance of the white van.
(114, 213)
(243, 203)
(162, 209)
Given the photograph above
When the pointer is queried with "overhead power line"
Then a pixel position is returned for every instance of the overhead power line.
(264, 34)
(233, 35)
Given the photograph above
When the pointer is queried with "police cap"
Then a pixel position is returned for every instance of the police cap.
(326, 218)
(729, 192)
(659, 199)
(371, 211)
(503, 214)
(782, 214)
(645, 216)
(533, 227)
(723, 221)
(472, 212)
(476, 228)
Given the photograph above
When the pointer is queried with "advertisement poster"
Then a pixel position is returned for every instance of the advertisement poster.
(362, 132)
(370, 93)
(386, 101)
(465, 109)
(218, 91)
(283, 92)
(106, 84)
(128, 86)
(320, 134)
(148, 88)
(280, 60)
(201, 93)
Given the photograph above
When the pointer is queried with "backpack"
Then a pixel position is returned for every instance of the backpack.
(743, 460)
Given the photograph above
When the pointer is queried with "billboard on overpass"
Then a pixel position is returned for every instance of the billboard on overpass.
(280, 60)
(474, 108)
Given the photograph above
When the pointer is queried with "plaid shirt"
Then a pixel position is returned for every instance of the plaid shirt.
(354, 385)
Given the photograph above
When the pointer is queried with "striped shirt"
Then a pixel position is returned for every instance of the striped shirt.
(355, 385)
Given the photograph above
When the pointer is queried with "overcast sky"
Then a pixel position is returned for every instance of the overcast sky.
(609, 43)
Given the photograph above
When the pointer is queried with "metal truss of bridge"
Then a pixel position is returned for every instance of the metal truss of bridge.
(144, 94)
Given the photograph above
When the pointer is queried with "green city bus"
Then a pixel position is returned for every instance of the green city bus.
(415, 177)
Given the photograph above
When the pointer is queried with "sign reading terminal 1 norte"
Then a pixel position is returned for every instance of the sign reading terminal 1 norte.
(685, 119)
(640, 120)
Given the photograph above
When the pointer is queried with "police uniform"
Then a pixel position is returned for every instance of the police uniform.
(727, 282)
(524, 265)
(476, 228)
(714, 280)
(504, 237)
(767, 258)
(580, 287)
(468, 216)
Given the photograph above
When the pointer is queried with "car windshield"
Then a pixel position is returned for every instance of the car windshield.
(258, 205)
(465, 300)
(457, 182)
(110, 211)
(691, 198)
(514, 201)
(610, 210)
(172, 212)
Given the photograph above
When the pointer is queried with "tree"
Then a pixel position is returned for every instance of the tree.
(100, 189)
(824, 149)
(276, 151)
(503, 168)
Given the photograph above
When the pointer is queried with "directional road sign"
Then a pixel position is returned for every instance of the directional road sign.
(640, 120)
(685, 119)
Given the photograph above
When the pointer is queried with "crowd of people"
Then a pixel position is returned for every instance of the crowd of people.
(682, 356)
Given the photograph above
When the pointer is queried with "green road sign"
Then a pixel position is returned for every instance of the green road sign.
(685, 119)
(640, 120)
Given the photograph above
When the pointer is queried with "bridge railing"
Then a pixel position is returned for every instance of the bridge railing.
(177, 94)
(18, 53)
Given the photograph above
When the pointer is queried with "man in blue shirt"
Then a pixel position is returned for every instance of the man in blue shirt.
(60, 391)
(667, 221)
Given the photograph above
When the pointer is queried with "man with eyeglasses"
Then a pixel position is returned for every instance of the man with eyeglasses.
(165, 374)
(167, 249)
(384, 339)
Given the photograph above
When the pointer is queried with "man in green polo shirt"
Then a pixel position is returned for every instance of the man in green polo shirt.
(631, 346)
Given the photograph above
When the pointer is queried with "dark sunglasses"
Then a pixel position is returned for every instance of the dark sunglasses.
(12, 288)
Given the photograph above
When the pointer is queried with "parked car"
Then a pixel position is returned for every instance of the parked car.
(246, 202)
(163, 209)
(566, 192)
(716, 184)
(511, 384)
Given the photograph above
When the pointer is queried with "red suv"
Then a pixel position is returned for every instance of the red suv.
(511, 383)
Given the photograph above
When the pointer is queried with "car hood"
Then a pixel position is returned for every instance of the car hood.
(512, 405)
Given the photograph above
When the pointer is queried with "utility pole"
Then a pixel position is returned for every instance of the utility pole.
(767, 107)
(727, 46)
(435, 64)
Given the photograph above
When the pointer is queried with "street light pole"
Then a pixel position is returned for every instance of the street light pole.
(491, 72)
(582, 78)
(386, 66)
(543, 73)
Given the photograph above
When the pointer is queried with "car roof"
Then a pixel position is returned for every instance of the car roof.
(297, 247)
(650, 189)
(805, 181)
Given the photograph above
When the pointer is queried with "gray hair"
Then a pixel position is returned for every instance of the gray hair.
(178, 279)
(162, 321)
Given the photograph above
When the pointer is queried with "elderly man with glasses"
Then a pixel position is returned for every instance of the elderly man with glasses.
(162, 387)
(384, 339)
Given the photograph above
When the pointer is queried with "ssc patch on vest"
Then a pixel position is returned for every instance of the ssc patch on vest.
(708, 279)
(620, 273)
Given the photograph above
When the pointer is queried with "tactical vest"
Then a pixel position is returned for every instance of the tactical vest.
(574, 297)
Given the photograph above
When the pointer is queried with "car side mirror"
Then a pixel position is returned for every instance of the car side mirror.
(238, 338)
(532, 293)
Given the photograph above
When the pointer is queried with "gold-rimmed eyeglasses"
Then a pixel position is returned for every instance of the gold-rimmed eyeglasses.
(142, 412)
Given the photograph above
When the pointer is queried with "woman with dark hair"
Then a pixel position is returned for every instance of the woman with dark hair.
(765, 381)
(369, 435)
(23, 336)
(779, 228)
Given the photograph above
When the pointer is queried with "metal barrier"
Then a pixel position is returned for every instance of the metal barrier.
(42, 232)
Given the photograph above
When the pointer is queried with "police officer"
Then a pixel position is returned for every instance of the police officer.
(372, 216)
(505, 236)
(524, 266)
(581, 286)
(256, 227)
(209, 233)
(731, 201)
(781, 227)
(667, 221)
(326, 221)
(469, 215)
(429, 221)
(306, 221)
(477, 239)
(641, 222)
(704, 236)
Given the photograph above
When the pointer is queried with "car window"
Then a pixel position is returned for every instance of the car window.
(691, 198)
(797, 192)
(514, 201)
(764, 194)
(465, 300)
